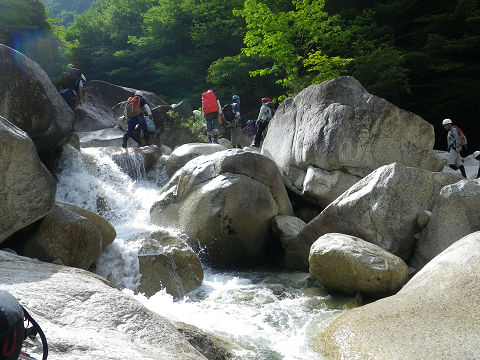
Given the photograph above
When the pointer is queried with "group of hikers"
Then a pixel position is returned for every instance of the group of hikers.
(139, 117)
(215, 114)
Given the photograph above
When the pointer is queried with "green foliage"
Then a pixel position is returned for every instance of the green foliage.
(293, 41)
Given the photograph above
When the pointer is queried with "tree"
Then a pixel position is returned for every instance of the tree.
(293, 40)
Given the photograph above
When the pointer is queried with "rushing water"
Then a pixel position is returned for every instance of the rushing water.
(263, 313)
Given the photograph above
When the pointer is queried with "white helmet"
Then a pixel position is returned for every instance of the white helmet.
(446, 121)
(138, 93)
(476, 155)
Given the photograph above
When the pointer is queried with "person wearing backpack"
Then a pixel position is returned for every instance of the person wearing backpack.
(134, 109)
(267, 110)
(235, 125)
(212, 112)
(454, 145)
(71, 86)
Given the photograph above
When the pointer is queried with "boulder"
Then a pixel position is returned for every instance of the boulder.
(286, 228)
(99, 100)
(85, 317)
(224, 203)
(211, 346)
(456, 214)
(107, 231)
(183, 154)
(167, 262)
(337, 126)
(66, 236)
(350, 265)
(29, 100)
(434, 316)
(382, 208)
(27, 189)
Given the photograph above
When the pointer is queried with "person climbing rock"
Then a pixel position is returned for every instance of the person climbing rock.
(265, 114)
(134, 109)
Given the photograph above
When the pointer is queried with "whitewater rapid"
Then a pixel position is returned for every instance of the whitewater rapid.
(262, 313)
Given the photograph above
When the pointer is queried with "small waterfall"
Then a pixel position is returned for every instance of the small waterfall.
(265, 314)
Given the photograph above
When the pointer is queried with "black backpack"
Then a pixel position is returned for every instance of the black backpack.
(227, 113)
(70, 79)
(12, 330)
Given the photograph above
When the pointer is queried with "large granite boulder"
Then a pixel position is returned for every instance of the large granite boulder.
(337, 126)
(69, 235)
(456, 214)
(434, 316)
(85, 317)
(183, 154)
(27, 189)
(100, 101)
(167, 262)
(29, 100)
(224, 203)
(382, 208)
(350, 265)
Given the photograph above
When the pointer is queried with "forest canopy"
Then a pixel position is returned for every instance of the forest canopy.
(421, 55)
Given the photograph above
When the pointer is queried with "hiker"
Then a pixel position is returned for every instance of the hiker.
(476, 156)
(265, 114)
(454, 146)
(134, 109)
(212, 112)
(71, 86)
(235, 125)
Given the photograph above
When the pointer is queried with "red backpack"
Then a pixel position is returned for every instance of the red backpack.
(463, 138)
(132, 107)
(209, 102)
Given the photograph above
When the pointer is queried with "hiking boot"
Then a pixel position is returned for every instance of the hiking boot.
(215, 140)
(124, 146)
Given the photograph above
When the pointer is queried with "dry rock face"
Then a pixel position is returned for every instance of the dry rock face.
(183, 154)
(29, 100)
(27, 189)
(85, 317)
(337, 126)
(70, 234)
(435, 316)
(456, 214)
(382, 208)
(224, 203)
(167, 262)
(351, 265)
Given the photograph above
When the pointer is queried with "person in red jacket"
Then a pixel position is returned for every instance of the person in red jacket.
(212, 111)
